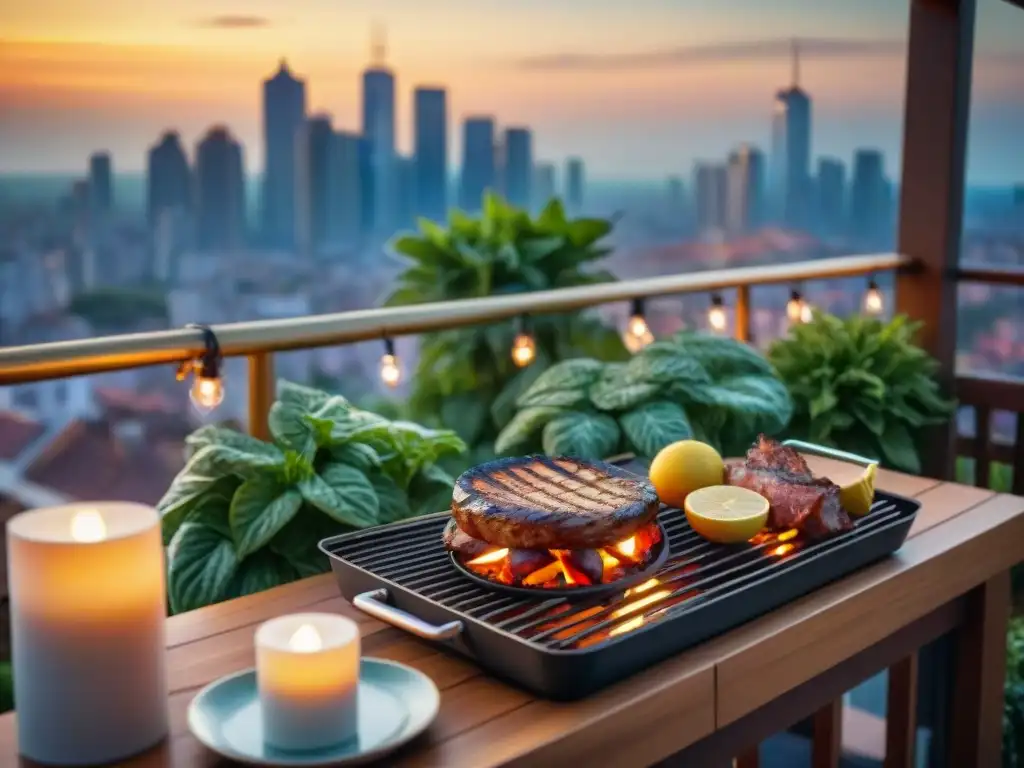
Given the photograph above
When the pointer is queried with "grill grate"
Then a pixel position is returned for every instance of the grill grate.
(411, 556)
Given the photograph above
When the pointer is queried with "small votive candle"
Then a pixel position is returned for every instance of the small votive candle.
(87, 631)
(307, 671)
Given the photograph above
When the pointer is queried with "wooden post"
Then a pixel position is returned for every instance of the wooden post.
(901, 714)
(827, 742)
(977, 719)
(743, 313)
(261, 393)
(936, 112)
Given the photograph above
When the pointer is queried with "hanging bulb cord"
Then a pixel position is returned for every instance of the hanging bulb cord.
(209, 363)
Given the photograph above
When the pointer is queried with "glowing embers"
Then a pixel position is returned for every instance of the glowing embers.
(569, 571)
(778, 544)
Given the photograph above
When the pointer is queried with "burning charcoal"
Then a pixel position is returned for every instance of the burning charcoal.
(586, 562)
(457, 540)
(523, 562)
(541, 577)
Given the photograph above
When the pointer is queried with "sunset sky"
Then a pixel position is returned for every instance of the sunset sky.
(640, 89)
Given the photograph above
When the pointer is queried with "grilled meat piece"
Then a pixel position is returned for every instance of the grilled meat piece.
(523, 562)
(798, 499)
(457, 540)
(539, 502)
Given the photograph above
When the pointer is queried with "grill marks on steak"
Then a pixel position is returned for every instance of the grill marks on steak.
(797, 498)
(551, 503)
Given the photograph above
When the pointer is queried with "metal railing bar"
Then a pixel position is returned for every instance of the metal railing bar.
(991, 274)
(85, 356)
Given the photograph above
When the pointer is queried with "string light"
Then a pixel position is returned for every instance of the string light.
(874, 303)
(638, 334)
(806, 313)
(390, 367)
(207, 391)
(524, 348)
(717, 318)
(795, 307)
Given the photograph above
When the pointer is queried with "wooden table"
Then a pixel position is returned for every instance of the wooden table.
(705, 704)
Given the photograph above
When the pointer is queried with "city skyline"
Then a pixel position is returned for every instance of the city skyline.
(651, 103)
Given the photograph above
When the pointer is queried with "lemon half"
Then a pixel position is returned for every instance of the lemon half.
(726, 514)
(857, 494)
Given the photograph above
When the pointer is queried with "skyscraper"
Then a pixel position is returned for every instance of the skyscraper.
(478, 173)
(709, 187)
(430, 118)
(543, 185)
(518, 166)
(830, 195)
(284, 112)
(744, 184)
(312, 183)
(379, 183)
(791, 151)
(168, 179)
(405, 191)
(344, 206)
(220, 191)
(101, 196)
(574, 182)
(868, 195)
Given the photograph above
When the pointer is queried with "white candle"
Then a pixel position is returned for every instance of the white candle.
(307, 670)
(87, 631)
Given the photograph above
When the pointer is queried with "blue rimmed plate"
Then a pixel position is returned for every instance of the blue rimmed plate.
(396, 704)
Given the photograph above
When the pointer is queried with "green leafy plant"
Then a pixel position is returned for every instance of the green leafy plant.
(1013, 700)
(695, 385)
(245, 515)
(465, 378)
(861, 384)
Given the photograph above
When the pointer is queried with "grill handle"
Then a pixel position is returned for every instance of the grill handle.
(828, 453)
(375, 603)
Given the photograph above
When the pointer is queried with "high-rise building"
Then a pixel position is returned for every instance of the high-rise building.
(168, 179)
(344, 219)
(101, 194)
(868, 195)
(830, 194)
(379, 184)
(405, 192)
(744, 185)
(430, 118)
(220, 191)
(574, 184)
(518, 166)
(709, 187)
(312, 184)
(543, 184)
(478, 172)
(791, 151)
(284, 113)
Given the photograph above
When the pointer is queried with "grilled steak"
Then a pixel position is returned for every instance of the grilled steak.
(798, 499)
(551, 503)
(457, 540)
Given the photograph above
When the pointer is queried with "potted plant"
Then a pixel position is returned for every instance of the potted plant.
(245, 515)
(861, 384)
(696, 385)
(466, 378)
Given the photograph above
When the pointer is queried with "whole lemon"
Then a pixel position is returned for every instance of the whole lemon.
(683, 467)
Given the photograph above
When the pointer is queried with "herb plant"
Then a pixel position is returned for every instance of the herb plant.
(465, 378)
(245, 515)
(695, 385)
(1013, 699)
(861, 384)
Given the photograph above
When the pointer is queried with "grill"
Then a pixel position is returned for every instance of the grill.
(562, 649)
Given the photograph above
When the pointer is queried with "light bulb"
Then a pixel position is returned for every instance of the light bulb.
(794, 307)
(874, 302)
(306, 640)
(390, 370)
(717, 318)
(806, 313)
(207, 392)
(524, 350)
(88, 527)
(637, 326)
(635, 343)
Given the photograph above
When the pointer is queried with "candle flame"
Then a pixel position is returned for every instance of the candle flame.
(88, 527)
(306, 640)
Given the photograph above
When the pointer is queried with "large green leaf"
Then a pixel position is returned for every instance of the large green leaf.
(308, 399)
(394, 504)
(213, 509)
(298, 542)
(562, 385)
(201, 564)
(723, 357)
(899, 449)
(223, 459)
(503, 407)
(523, 428)
(359, 455)
(344, 493)
(616, 390)
(260, 508)
(654, 425)
(261, 571)
(213, 434)
(290, 425)
(665, 363)
(186, 491)
(581, 435)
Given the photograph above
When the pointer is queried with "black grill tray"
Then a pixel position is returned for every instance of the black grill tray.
(407, 568)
